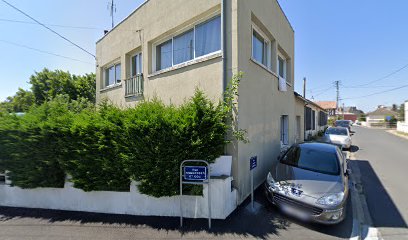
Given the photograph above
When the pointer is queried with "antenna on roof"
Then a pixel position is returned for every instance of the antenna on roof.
(112, 9)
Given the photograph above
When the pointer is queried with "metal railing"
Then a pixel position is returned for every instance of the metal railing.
(134, 86)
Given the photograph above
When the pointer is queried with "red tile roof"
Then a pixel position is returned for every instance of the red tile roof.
(327, 104)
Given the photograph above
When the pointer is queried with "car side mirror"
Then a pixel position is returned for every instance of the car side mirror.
(348, 172)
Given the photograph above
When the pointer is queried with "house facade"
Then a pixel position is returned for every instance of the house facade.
(329, 106)
(167, 49)
(315, 118)
(378, 117)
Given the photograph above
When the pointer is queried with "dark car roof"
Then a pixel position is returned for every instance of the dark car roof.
(317, 145)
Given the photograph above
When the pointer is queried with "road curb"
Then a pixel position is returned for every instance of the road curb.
(361, 211)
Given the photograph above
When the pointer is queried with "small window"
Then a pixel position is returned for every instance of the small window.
(112, 75)
(136, 63)
(164, 55)
(308, 118)
(208, 37)
(260, 48)
(284, 130)
(282, 67)
(183, 47)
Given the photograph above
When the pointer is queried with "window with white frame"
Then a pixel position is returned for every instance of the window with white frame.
(282, 66)
(260, 48)
(284, 130)
(112, 75)
(201, 40)
(136, 65)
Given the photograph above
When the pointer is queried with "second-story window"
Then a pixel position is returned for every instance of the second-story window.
(136, 63)
(260, 49)
(201, 40)
(282, 66)
(163, 55)
(112, 75)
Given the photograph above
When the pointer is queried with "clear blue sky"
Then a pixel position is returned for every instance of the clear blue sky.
(352, 41)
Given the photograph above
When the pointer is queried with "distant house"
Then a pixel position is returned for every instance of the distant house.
(329, 106)
(314, 117)
(378, 117)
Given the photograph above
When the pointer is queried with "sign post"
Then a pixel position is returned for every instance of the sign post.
(253, 162)
(196, 175)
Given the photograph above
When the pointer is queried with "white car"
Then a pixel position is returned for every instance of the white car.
(339, 136)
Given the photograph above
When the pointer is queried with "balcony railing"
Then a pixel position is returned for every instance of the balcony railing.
(134, 86)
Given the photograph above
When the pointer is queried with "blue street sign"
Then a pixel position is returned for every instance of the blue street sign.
(253, 162)
(388, 118)
(195, 173)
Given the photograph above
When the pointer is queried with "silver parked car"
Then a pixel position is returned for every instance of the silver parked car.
(310, 182)
(340, 136)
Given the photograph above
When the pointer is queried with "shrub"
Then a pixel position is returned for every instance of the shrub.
(104, 148)
(30, 144)
(95, 150)
(165, 136)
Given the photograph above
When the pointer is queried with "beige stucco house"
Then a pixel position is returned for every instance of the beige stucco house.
(314, 117)
(169, 48)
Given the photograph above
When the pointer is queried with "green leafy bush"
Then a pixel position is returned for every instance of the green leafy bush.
(95, 150)
(104, 147)
(30, 144)
(165, 136)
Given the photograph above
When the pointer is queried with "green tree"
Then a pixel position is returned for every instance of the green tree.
(20, 102)
(48, 84)
(402, 112)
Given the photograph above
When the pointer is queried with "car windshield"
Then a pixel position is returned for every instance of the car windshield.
(337, 131)
(313, 159)
(343, 123)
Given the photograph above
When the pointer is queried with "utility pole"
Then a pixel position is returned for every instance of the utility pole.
(304, 87)
(112, 9)
(337, 83)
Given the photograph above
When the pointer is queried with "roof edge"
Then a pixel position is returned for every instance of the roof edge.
(117, 25)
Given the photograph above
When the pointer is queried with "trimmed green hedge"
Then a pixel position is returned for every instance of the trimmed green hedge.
(104, 148)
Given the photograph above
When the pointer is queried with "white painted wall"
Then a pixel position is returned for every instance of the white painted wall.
(402, 126)
(223, 200)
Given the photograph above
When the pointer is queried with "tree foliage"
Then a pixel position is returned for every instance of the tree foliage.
(46, 85)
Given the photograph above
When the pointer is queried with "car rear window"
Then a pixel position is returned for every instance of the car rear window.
(337, 131)
(343, 123)
(313, 159)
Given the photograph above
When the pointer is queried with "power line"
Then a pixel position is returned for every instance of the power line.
(390, 86)
(382, 78)
(42, 51)
(35, 20)
(48, 24)
(318, 93)
(376, 93)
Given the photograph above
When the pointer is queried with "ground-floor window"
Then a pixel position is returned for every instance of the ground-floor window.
(284, 130)
(298, 128)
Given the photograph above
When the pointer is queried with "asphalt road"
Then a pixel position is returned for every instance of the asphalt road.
(383, 162)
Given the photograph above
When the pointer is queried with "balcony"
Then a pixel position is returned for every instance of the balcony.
(134, 86)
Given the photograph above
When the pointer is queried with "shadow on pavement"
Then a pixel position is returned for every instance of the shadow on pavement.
(384, 212)
(241, 222)
(266, 221)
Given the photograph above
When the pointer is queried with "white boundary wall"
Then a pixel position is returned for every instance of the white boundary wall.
(223, 200)
(402, 127)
